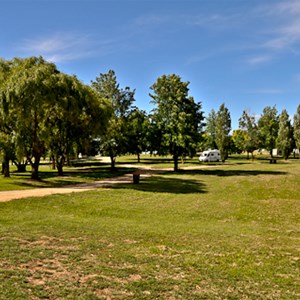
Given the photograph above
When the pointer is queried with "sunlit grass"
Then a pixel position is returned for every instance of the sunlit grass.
(223, 232)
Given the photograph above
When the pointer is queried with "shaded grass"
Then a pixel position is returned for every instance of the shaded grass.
(187, 235)
(49, 178)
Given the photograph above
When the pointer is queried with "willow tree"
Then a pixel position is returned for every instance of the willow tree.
(179, 117)
(78, 115)
(46, 109)
(6, 120)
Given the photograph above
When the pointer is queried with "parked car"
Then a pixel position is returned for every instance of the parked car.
(210, 155)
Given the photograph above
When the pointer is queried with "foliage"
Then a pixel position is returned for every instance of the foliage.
(250, 140)
(297, 127)
(210, 130)
(223, 127)
(285, 135)
(137, 131)
(238, 138)
(177, 115)
(46, 110)
(115, 138)
(268, 125)
(27, 94)
(78, 115)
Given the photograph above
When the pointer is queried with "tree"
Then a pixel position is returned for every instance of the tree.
(223, 127)
(78, 114)
(27, 94)
(7, 146)
(285, 135)
(268, 125)
(178, 116)
(239, 137)
(113, 141)
(210, 130)
(154, 136)
(248, 124)
(44, 109)
(137, 131)
(297, 127)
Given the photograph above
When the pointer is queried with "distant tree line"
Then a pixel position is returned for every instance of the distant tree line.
(271, 130)
(46, 113)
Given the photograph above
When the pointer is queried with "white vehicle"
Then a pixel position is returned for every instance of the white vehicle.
(210, 155)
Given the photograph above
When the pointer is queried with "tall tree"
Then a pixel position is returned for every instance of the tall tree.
(7, 147)
(285, 135)
(268, 125)
(239, 137)
(297, 127)
(247, 123)
(223, 127)
(78, 114)
(114, 139)
(178, 115)
(28, 93)
(137, 132)
(154, 136)
(210, 130)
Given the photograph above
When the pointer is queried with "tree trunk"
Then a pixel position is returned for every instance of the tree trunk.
(35, 168)
(53, 165)
(21, 167)
(112, 162)
(5, 168)
(175, 158)
(139, 157)
(60, 170)
(60, 164)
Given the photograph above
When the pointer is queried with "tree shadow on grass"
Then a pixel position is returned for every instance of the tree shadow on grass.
(162, 184)
(226, 173)
(71, 177)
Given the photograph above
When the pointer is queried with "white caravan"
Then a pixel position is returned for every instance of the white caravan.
(210, 155)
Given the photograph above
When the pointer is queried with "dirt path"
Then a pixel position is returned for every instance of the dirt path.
(145, 171)
(39, 192)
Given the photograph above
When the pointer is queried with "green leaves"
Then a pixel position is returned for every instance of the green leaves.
(223, 127)
(114, 140)
(285, 135)
(46, 109)
(178, 116)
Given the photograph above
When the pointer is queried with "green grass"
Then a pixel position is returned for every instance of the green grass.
(223, 232)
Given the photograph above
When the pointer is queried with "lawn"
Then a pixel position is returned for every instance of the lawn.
(222, 232)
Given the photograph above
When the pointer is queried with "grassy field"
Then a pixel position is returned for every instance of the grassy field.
(222, 232)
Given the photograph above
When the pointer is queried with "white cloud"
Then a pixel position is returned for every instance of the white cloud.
(286, 31)
(259, 59)
(60, 47)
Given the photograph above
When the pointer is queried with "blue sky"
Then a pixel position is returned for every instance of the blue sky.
(243, 53)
